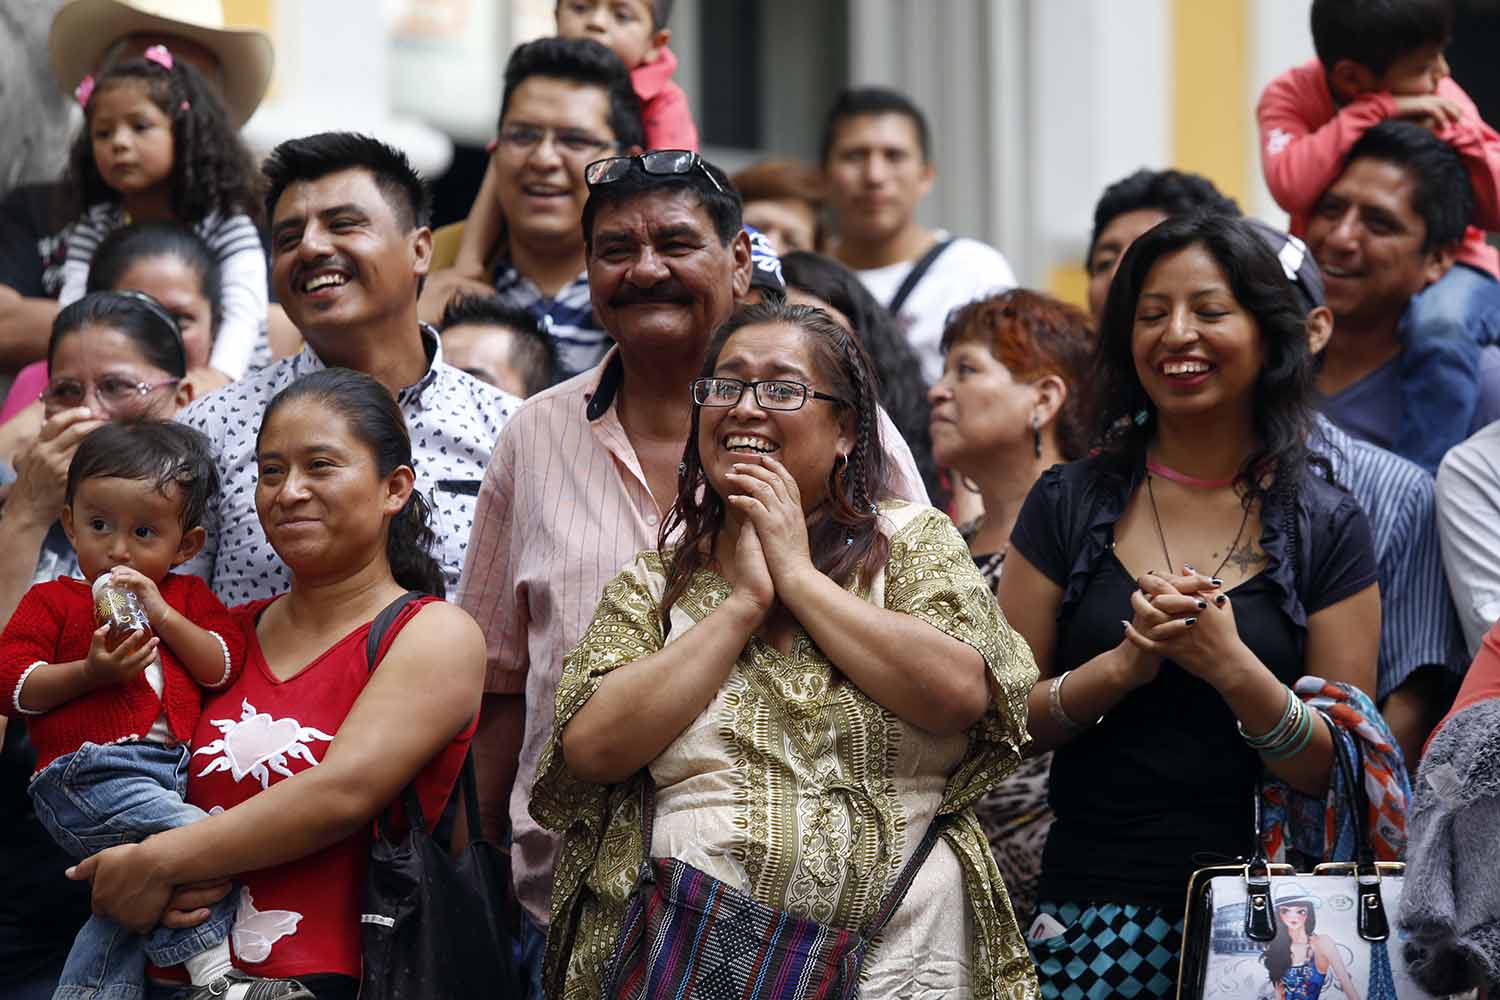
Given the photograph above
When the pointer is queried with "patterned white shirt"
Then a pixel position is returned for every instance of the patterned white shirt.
(453, 419)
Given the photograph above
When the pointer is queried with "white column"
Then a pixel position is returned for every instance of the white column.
(333, 73)
(1099, 108)
(1280, 39)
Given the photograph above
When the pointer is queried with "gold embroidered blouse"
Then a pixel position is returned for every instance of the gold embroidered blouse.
(801, 791)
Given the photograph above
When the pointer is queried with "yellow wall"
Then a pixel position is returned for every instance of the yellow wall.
(1212, 103)
(1212, 110)
(248, 14)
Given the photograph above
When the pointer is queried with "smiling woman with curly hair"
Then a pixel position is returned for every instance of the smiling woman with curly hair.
(807, 690)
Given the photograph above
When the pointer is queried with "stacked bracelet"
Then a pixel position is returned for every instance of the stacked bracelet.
(1055, 707)
(1289, 736)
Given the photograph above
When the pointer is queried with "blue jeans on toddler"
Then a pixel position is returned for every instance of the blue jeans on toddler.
(102, 796)
(1442, 332)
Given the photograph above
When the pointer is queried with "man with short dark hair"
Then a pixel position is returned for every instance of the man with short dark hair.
(349, 248)
(1134, 204)
(566, 103)
(500, 344)
(1383, 231)
(877, 159)
(582, 478)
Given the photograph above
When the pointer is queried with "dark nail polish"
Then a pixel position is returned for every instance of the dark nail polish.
(1216, 582)
(1219, 601)
(1202, 605)
(1190, 622)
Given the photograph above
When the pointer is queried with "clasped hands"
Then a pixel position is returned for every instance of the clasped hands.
(1187, 619)
(772, 550)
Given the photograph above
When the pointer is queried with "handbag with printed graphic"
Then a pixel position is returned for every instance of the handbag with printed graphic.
(1263, 931)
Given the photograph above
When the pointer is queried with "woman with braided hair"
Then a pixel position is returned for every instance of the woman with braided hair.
(845, 683)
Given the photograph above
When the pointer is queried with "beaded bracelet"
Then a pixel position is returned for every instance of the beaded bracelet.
(1055, 707)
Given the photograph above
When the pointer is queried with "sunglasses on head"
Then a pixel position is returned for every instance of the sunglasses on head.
(658, 162)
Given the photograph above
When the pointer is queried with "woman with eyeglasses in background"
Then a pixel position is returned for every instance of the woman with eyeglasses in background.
(843, 685)
(168, 262)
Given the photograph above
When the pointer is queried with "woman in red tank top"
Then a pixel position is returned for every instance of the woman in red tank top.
(310, 746)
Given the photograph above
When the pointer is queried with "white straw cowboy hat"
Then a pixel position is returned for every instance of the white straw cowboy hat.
(83, 31)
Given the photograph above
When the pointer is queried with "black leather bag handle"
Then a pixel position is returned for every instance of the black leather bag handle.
(1371, 918)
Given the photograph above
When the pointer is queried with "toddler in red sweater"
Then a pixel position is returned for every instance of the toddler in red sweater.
(111, 714)
(1377, 61)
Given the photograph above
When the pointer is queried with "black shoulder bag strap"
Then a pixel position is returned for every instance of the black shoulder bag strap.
(1371, 919)
(378, 629)
(916, 274)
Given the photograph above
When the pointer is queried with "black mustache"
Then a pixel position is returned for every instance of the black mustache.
(667, 291)
(325, 262)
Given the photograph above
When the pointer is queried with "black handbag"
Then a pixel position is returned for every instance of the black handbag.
(435, 927)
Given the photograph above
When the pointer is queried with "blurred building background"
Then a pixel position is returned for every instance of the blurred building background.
(1036, 105)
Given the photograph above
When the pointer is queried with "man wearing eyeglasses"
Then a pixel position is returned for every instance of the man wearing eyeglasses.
(566, 103)
(582, 477)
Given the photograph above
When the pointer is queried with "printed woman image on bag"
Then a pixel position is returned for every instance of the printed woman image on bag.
(1299, 961)
(1316, 953)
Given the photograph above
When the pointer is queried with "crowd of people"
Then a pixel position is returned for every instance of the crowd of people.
(1000, 613)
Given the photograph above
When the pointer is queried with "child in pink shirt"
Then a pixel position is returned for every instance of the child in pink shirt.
(1379, 61)
(636, 31)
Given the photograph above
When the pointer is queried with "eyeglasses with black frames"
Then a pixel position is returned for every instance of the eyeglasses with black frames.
(770, 394)
(658, 162)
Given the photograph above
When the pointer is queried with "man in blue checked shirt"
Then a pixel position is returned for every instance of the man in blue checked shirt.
(566, 102)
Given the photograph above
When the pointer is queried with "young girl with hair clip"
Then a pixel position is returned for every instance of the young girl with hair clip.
(158, 146)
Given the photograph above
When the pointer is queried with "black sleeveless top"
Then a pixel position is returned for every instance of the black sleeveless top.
(1164, 784)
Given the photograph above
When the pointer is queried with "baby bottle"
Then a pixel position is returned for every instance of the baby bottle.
(118, 607)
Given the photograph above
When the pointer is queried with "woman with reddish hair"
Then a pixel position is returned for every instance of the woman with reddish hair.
(1007, 408)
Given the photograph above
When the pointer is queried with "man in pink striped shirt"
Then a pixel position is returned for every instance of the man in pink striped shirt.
(584, 473)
